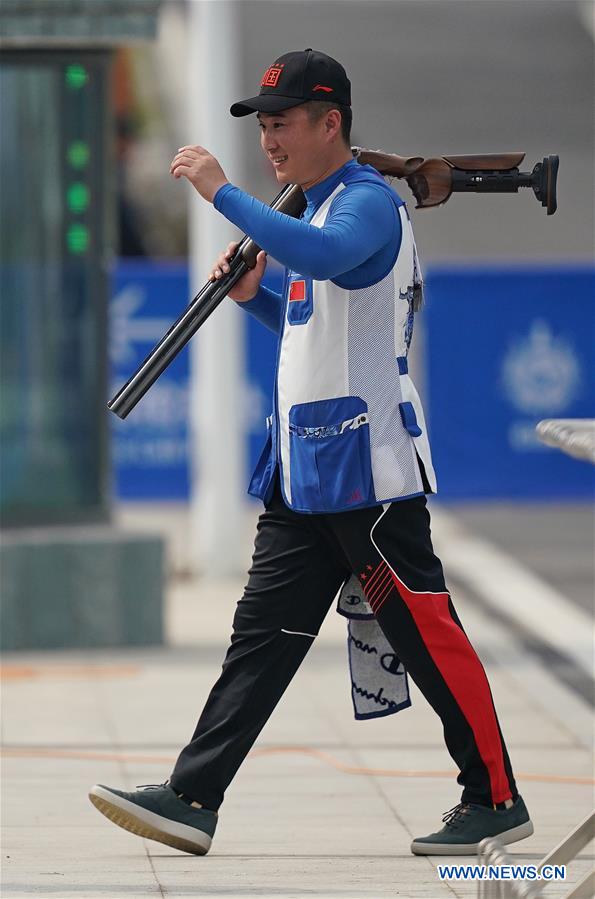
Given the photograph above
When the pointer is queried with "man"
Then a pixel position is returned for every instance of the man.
(343, 474)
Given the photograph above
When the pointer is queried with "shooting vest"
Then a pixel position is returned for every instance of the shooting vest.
(348, 421)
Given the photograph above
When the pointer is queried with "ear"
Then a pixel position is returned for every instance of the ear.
(332, 123)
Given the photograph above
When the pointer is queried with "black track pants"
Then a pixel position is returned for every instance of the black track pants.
(299, 563)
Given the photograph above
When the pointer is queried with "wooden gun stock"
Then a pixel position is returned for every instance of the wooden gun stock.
(433, 180)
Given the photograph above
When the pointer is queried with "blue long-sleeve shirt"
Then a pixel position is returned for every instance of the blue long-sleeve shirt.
(357, 245)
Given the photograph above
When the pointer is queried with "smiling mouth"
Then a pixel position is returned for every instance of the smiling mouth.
(279, 160)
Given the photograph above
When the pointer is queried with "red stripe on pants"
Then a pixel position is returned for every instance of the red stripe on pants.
(464, 675)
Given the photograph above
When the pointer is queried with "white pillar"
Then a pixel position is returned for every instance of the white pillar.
(217, 358)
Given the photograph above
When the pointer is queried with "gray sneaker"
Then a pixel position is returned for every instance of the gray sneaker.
(155, 812)
(466, 825)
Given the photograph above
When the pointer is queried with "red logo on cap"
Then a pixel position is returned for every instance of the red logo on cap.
(321, 87)
(297, 291)
(271, 76)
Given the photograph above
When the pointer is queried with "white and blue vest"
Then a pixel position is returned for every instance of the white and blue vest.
(347, 425)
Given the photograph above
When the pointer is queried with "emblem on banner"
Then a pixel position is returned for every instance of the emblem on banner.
(540, 372)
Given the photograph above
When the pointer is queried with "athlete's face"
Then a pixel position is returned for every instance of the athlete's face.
(299, 149)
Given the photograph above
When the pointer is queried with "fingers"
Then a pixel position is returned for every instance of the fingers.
(195, 147)
(222, 261)
(261, 262)
(178, 170)
(222, 265)
(182, 160)
(188, 154)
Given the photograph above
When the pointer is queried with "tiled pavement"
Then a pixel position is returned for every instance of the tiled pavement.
(293, 823)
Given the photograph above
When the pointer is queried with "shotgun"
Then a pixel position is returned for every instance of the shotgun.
(432, 181)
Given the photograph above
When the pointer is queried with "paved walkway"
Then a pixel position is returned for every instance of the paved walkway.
(323, 807)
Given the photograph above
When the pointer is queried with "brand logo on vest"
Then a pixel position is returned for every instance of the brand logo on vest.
(355, 497)
(297, 291)
(272, 75)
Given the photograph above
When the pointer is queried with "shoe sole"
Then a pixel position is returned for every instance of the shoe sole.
(521, 832)
(149, 825)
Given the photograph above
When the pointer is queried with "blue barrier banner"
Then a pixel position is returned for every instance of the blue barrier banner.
(151, 448)
(505, 348)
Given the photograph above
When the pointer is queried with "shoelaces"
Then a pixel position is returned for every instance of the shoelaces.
(452, 818)
(152, 786)
(185, 799)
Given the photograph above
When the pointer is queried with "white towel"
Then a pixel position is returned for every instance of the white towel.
(379, 684)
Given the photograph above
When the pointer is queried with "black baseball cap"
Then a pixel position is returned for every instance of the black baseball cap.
(295, 78)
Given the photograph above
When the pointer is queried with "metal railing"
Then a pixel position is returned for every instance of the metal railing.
(492, 852)
(574, 436)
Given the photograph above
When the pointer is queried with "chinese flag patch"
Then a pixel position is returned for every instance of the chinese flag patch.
(297, 291)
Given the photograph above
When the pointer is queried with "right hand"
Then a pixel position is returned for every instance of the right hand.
(247, 287)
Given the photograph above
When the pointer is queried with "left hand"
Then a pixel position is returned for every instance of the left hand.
(202, 170)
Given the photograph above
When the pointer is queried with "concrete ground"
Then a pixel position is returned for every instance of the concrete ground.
(324, 806)
(555, 540)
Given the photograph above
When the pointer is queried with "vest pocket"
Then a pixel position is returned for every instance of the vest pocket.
(329, 454)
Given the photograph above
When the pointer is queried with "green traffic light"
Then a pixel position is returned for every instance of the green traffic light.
(78, 154)
(76, 76)
(77, 238)
(77, 197)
